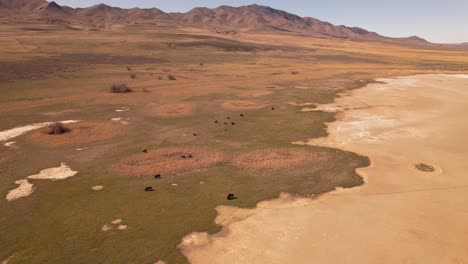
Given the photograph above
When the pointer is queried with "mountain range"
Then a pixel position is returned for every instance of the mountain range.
(223, 19)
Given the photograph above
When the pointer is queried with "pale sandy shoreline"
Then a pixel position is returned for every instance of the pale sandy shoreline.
(401, 215)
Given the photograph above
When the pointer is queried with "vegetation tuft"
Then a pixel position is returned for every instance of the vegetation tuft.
(57, 128)
(120, 88)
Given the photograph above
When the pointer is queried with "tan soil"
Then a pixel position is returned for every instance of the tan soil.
(168, 161)
(116, 221)
(401, 215)
(239, 105)
(56, 173)
(278, 159)
(97, 188)
(122, 227)
(24, 189)
(173, 110)
(106, 228)
(83, 132)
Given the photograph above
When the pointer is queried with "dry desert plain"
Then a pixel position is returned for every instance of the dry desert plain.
(235, 104)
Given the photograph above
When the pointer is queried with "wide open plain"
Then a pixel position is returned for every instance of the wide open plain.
(401, 214)
(231, 104)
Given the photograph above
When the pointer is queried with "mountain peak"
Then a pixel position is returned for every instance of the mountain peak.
(247, 18)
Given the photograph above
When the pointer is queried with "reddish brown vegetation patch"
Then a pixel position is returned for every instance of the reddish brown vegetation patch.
(171, 161)
(278, 159)
(242, 105)
(255, 93)
(173, 110)
(78, 133)
(3, 163)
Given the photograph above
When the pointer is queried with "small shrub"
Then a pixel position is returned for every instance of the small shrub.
(56, 128)
(160, 77)
(171, 77)
(120, 88)
(133, 75)
(128, 68)
(294, 72)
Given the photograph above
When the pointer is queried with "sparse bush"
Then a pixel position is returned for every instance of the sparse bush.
(56, 128)
(133, 75)
(171, 77)
(120, 88)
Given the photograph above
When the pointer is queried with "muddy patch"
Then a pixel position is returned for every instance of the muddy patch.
(171, 161)
(173, 110)
(79, 133)
(278, 159)
(240, 105)
(24, 189)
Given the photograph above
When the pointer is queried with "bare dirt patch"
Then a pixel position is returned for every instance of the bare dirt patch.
(173, 110)
(78, 133)
(171, 161)
(55, 173)
(278, 159)
(24, 189)
(97, 188)
(239, 105)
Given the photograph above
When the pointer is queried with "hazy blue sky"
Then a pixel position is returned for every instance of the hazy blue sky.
(436, 20)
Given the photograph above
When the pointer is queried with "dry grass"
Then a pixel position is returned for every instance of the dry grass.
(82, 132)
(278, 159)
(173, 110)
(242, 105)
(120, 88)
(169, 161)
(425, 167)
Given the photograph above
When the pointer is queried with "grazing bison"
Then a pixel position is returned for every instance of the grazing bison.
(157, 176)
(149, 189)
(231, 196)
